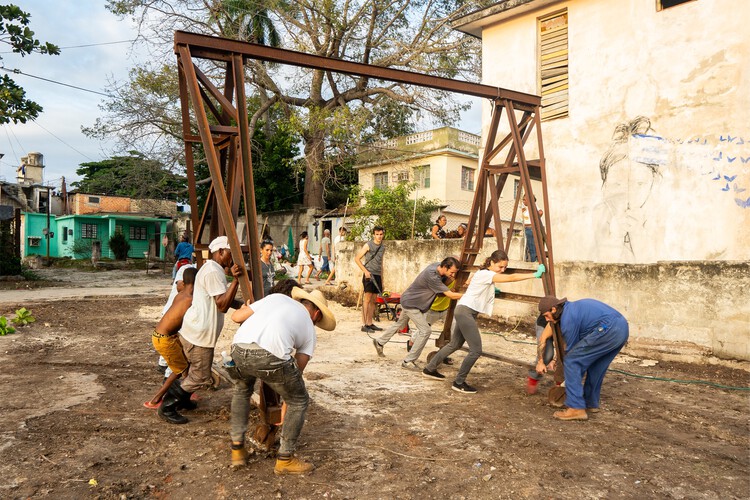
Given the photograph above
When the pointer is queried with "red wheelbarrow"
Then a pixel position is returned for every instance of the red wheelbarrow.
(388, 304)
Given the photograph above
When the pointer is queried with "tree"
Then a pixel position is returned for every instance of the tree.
(134, 176)
(403, 34)
(392, 208)
(15, 33)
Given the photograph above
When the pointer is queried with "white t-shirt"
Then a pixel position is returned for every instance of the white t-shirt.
(173, 292)
(279, 325)
(480, 296)
(203, 322)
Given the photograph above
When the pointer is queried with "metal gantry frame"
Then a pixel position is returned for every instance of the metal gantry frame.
(220, 117)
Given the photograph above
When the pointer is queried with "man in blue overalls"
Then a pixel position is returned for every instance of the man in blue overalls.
(593, 333)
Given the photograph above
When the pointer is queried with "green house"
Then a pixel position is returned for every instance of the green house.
(74, 235)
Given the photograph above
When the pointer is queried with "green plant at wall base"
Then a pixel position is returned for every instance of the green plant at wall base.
(5, 328)
(119, 246)
(23, 317)
(82, 248)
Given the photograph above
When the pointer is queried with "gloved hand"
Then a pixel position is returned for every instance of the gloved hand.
(539, 271)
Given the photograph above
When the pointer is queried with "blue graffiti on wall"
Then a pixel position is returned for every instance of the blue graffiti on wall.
(725, 166)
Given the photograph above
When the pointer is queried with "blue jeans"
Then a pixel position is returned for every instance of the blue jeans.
(282, 376)
(592, 356)
(530, 247)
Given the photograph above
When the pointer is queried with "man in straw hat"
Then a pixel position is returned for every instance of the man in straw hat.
(593, 333)
(272, 329)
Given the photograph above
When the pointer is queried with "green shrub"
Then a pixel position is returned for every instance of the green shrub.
(5, 328)
(119, 246)
(23, 317)
(82, 248)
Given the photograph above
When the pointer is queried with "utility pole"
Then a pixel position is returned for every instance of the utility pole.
(48, 214)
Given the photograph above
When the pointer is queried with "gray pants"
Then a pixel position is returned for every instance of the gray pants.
(464, 330)
(420, 338)
(282, 376)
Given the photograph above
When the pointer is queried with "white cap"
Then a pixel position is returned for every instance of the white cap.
(219, 243)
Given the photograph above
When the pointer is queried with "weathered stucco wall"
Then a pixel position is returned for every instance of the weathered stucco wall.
(706, 303)
(677, 191)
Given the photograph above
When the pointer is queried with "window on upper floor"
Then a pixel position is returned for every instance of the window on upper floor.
(401, 176)
(137, 233)
(553, 65)
(88, 231)
(380, 180)
(467, 179)
(422, 176)
(93, 200)
(665, 4)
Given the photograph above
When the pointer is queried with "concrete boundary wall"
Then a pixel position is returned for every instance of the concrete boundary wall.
(704, 302)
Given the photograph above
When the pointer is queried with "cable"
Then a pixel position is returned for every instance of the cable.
(71, 147)
(81, 46)
(19, 72)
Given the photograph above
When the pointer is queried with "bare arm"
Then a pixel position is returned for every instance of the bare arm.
(358, 260)
(546, 334)
(453, 295)
(242, 313)
(302, 360)
(435, 230)
(224, 301)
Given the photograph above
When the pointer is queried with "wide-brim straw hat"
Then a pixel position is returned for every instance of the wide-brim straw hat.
(316, 297)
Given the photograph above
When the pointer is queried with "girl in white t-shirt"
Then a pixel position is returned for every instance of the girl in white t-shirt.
(478, 298)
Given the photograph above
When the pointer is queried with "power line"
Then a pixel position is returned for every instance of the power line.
(71, 147)
(19, 72)
(82, 46)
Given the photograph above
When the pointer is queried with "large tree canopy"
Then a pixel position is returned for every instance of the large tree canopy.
(16, 34)
(134, 176)
(332, 113)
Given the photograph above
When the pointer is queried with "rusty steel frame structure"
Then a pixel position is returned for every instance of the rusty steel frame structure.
(226, 145)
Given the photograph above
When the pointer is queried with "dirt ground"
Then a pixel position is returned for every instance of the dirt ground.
(73, 384)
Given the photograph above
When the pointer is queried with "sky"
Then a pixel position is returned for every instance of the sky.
(56, 133)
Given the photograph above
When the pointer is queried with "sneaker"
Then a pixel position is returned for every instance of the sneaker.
(378, 347)
(465, 388)
(239, 455)
(366, 329)
(375, 328)
(411, 365)
(434, 374)
(292, 465)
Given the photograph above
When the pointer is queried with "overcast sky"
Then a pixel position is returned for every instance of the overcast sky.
(57, 132)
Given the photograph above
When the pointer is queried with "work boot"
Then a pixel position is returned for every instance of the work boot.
(239, 454)
(291, 465)
(168, 409)
(184, 403)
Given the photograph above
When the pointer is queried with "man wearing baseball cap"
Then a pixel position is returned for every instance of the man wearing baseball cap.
(203, 322)
(593, 333)
(274, 343)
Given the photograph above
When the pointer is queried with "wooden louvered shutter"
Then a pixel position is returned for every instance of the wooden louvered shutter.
(553, 62)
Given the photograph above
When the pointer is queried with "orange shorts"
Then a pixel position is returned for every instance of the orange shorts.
(171, 349)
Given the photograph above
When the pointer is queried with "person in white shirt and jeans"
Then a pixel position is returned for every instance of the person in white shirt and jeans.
(478, 298)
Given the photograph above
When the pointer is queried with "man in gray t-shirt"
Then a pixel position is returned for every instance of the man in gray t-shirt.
(415, 302)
